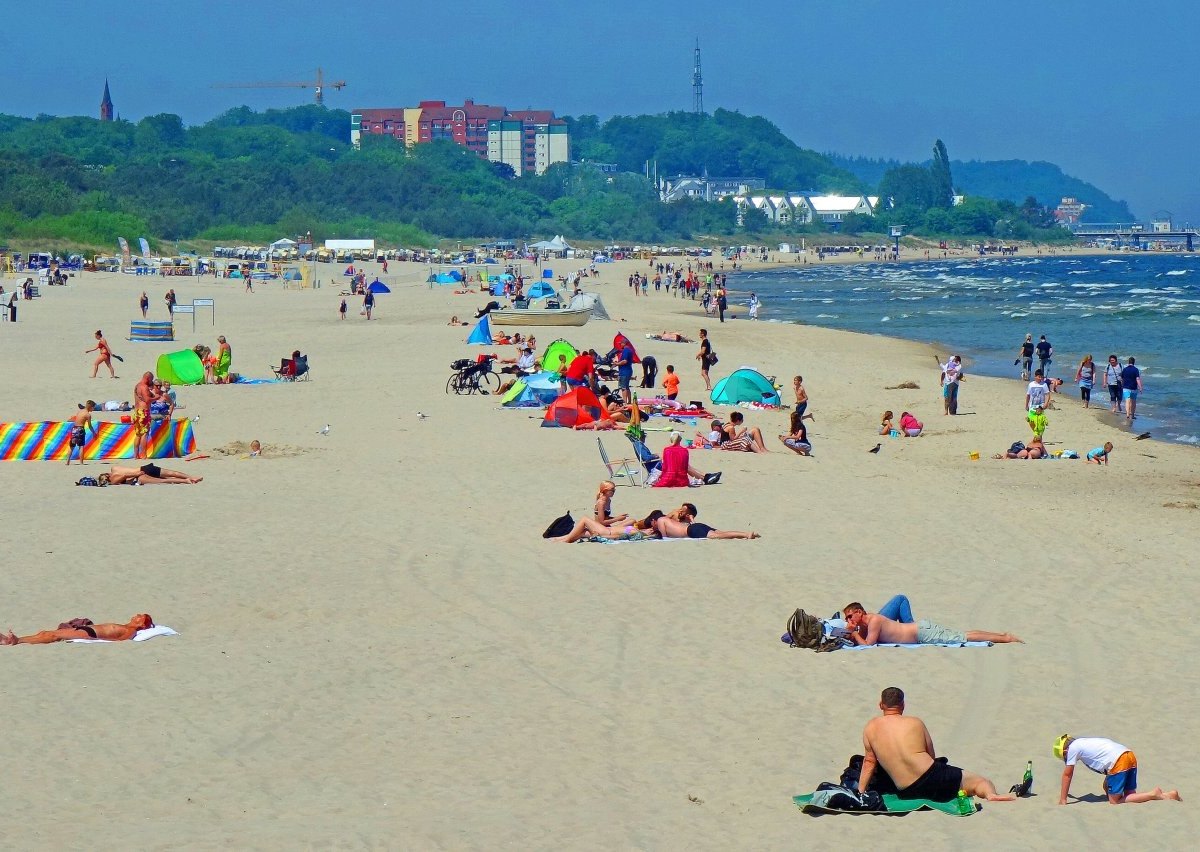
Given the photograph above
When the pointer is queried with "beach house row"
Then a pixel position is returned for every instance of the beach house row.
(803, 208)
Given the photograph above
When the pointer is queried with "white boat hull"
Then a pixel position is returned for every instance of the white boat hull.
(535, 317)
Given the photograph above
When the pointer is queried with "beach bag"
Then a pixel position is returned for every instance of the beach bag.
(89, 480)
(712, 357)
(1016, 447)
(838, 798)
(559, 526)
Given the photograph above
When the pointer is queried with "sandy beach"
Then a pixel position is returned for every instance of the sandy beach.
(377, 649)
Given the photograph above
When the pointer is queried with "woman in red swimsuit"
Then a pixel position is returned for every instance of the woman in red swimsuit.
(105, 356)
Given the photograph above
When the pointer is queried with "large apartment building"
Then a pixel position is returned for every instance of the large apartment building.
(529, 141)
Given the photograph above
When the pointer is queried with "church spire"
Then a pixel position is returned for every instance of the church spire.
(106, 104)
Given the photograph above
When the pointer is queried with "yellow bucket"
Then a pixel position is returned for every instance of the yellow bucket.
(974, 455)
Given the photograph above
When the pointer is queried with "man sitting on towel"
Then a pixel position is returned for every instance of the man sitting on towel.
(903, 747)
(871, 628)
(82, 628)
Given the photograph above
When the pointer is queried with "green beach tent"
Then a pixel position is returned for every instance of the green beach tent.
(558, 347)
(180, 368)
(744, 385)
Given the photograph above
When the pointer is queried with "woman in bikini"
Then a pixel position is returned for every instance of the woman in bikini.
(104, 357)
(636, 531)
(603, 513)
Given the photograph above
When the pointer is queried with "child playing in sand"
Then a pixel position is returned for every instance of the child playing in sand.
(671, 382)
(886, 427)
(910, 425)
(711, 439)
(1100, 454)
(1037, 422)
(255, 449)
(1116, 763)
(342, 309)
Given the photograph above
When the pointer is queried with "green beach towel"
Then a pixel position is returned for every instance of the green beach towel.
(894, 804)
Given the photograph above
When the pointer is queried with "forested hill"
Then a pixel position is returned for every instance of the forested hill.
(250, 176)
(1009, 180)
(725, 144)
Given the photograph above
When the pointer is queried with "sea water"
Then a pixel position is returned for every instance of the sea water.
(1122, 303)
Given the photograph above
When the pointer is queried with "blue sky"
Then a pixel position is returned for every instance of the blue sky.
(1107, 90)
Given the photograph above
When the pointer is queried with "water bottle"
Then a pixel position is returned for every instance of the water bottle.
(965, 805)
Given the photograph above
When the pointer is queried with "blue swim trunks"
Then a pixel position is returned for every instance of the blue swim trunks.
(1121, 783)
(1127, 393)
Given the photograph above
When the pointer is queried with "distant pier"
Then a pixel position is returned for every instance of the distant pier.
(1135, 235)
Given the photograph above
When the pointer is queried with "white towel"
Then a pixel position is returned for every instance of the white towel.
(140, 636)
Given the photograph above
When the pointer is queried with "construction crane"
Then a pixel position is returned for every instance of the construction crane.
(318, 86)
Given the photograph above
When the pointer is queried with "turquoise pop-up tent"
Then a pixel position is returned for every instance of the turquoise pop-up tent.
(541, 290)
(745, 385)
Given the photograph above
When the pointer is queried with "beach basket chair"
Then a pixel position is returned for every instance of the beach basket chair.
(622, 471)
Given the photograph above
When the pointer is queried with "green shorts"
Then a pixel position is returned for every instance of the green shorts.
(929, 633)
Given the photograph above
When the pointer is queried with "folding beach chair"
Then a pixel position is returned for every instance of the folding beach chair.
(644, 454)
(286, 371)
(630, 470)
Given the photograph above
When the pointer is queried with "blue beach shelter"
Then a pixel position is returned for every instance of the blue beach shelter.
(744, 385)
(378, 286)
(541, 290)
(482, 333)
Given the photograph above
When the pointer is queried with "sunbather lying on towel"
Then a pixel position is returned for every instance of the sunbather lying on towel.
(147, 474)
(878, 629)
(82, 628)
(624, 531)
(682, 524)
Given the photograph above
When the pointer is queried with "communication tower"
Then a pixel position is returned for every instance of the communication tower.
(697, 84)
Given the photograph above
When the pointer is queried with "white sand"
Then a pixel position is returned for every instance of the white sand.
(377, 648)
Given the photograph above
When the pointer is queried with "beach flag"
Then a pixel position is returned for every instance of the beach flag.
(482, 333)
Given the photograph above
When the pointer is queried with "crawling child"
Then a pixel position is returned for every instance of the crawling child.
(1100, 454)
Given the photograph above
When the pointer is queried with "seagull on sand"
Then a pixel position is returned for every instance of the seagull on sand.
(421, 416)
(875, 449)
(324, 431)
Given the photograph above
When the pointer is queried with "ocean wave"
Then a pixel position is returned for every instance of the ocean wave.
(1188, 439)
(1194, 317)
(826, 316)
(1177, 272)
(1114, 260)
(1080, 272)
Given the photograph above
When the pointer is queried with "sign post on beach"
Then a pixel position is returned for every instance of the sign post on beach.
(211, 304)
(186, 309)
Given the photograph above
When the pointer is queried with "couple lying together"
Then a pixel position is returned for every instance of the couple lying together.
(680, 523)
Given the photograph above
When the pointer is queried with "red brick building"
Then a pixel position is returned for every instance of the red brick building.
(528, 140)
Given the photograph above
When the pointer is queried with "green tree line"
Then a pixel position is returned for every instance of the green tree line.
(252, 176)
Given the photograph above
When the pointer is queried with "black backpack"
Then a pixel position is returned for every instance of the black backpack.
(559, 526)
